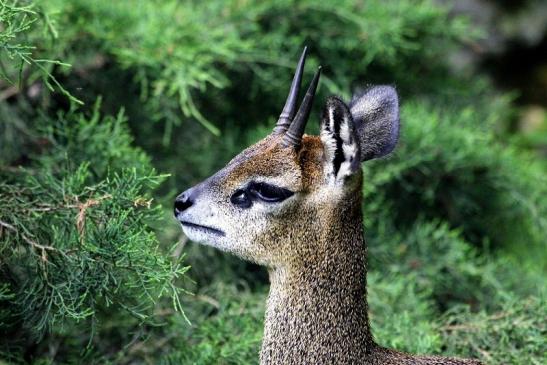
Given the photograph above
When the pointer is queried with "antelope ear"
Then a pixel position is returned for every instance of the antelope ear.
(339, 141)
(375, 112)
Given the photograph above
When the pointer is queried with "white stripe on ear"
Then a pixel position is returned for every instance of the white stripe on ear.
(340, 145)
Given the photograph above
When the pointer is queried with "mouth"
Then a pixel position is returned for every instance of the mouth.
(199, 227)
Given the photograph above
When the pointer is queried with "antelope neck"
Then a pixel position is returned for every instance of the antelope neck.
(317, 310)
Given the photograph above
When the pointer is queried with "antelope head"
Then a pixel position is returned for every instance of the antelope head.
(270, 200)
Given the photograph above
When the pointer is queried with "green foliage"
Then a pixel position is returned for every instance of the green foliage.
(226, 331)
(17, 20)
(400, 308)
(174, 72)
(513, 335)
(449, 165)
(76, 242)
(107, 141)
(455, 219)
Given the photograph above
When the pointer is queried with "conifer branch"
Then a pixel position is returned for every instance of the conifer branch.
(34, 244)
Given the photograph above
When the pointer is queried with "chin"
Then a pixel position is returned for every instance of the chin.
(203, 237)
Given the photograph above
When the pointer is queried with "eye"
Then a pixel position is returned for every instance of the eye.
(241, 198)
(269, 193)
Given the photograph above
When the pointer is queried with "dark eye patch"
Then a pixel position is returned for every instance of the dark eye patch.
(241, 198)
(268, 193)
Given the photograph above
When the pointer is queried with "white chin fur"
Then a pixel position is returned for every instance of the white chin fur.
(197, 235)
(204, 238)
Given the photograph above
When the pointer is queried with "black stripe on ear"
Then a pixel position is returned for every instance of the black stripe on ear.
(338, 117)
(339, 143)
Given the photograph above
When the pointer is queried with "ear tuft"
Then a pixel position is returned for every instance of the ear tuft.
(339, 140)
(375, 112)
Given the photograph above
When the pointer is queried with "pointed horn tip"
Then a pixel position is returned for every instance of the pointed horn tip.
(317, 74)
(315, 81)
(293, 136)
(303, 56)
(289, 110)
(302, 59)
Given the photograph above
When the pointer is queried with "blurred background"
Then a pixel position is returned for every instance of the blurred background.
(109, 109)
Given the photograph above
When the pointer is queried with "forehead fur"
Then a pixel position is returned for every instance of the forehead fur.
(270, 159)
(310, 159)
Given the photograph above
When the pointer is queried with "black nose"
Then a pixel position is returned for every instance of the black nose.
(183, 202)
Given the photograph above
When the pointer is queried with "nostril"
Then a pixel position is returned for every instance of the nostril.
(182, 203)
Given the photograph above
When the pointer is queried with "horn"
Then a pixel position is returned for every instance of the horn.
(294, 134)
(289, 110)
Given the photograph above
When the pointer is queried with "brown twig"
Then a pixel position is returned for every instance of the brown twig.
(30, 241)
(180, 246)
(464, 327)
(208, 299)
(147, 347)
(80, 218)
(8, 92)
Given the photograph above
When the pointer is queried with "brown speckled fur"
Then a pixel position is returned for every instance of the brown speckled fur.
(314, 250)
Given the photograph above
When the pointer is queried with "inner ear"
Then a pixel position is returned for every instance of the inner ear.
(339, 141)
